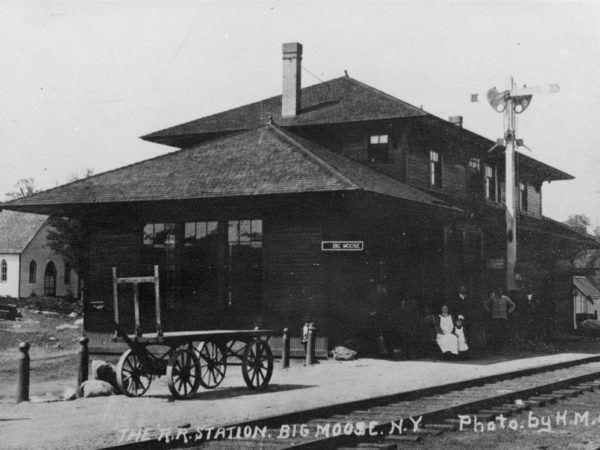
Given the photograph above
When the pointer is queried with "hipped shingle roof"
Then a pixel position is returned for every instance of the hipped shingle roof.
(263, 161)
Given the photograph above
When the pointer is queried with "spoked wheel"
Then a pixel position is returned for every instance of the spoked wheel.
(257, 364)
(213, 364)
(133, 378)
(183, 373)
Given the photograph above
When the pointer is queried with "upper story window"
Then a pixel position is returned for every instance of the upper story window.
(159, 234)
(474, 177)
(523, 201)
(32, 271)
(490, 183)
(67, 278)
(378, 150)
(3, 270)
(435, 169)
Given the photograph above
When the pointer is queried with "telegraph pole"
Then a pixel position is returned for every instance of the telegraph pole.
(512, 102)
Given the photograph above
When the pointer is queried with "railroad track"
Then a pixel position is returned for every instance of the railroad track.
(393, 421)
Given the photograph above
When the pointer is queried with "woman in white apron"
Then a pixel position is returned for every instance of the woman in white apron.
(446, 339)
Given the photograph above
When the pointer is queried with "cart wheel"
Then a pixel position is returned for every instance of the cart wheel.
(133, 378)
(257, 364)
(213, 364)
(183, 373)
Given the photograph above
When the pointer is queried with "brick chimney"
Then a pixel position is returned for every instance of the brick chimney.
(292, 64)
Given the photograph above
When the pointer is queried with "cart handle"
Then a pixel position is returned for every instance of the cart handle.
(136, 304)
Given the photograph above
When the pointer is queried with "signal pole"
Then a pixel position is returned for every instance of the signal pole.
(512, 102)
(509, 182)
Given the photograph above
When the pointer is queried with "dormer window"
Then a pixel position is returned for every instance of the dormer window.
(474, 177)
(435, 169)
(490, 184)
(378, 148)
(523, 201)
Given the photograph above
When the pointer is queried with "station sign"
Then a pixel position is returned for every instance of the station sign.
(342, 246)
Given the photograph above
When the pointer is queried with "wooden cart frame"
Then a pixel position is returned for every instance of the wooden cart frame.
(193, 358)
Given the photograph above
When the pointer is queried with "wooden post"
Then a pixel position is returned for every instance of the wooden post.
(115, 299)
(136, 309)
(310, 347)
(23, 373)
(285, 352)
(157, 299)
(84, 362)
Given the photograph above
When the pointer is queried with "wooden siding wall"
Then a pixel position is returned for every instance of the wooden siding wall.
(295, 282)
(107, 250)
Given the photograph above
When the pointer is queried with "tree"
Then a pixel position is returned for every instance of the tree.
(68, 238)
(578, 222)
(596, 233)
(25, 187)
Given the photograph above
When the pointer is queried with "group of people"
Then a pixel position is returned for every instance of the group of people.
(451, 337)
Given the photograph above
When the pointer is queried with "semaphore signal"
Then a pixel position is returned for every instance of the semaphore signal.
(511, 102)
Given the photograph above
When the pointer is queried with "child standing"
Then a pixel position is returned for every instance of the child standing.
(459, 331)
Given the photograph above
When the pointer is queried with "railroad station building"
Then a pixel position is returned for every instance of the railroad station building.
(300, 205)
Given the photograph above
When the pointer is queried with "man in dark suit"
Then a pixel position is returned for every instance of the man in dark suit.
(460, 305)
(530, 314)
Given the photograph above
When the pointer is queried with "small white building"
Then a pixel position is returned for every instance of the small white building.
(27, 265)
(586, 301)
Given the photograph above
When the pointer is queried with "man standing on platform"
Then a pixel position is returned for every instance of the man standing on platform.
(499, 306)
(531, 319)
(461, 304)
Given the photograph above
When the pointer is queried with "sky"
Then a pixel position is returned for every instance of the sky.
(81, 81)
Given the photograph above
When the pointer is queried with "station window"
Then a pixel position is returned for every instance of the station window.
(159, 234)
(245, 265)
(378, 150)
(3, 270)
(474, 177)
(32, 271)
(523, 201)
(197, 233)
(435, 169)
(490, 184)
(67, 279)
(200, 277)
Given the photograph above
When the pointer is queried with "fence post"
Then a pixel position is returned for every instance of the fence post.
(23, 373)
(84, 362)
(285, 352)
(310, 346)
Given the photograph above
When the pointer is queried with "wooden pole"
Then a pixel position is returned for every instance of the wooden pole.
(115, 299)
(84, 363)
(285, 352)
(509, 182)
(310, 347)
(23, 373)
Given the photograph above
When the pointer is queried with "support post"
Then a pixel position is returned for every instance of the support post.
(84, 363)
(285, 352)
(157, 298)
(509, 182)
(136, 309)
(115, 299)
(310, 347)
(23, 373)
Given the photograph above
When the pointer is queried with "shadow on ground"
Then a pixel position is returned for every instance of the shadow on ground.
(232, 392)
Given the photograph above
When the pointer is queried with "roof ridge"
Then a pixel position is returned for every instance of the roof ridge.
(257, 102)
(385, 94)
(290, 137)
